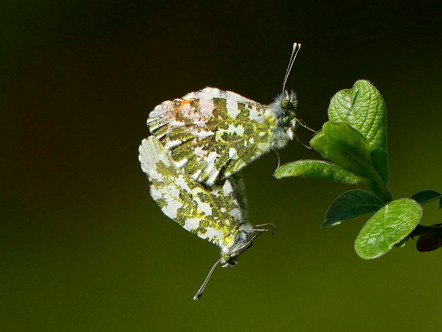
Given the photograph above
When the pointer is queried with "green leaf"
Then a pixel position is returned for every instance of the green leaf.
(317, 169)
(389, 226)
(346, 147)
(349, 205)
(426, 196)
(364, 109)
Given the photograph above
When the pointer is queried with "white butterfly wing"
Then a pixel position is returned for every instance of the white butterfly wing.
(213, 213)
(213, 133)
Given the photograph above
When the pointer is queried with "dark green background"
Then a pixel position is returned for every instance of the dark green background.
(83, 246)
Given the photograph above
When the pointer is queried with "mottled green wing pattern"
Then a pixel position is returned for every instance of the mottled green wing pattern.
(213, 213)
(213, 133)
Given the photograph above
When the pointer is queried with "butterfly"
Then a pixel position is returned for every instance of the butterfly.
(215, 213)
(214, 133)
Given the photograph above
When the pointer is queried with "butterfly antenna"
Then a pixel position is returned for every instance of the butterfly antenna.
(203, 286)
(296, 48)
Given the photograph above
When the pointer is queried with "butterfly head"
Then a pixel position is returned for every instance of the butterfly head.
(228, 260)
(288, 103)
(284, 109)
(242, 241)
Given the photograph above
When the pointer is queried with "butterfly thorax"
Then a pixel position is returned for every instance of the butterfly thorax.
(284, 110)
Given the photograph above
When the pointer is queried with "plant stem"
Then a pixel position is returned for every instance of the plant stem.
(378, 188)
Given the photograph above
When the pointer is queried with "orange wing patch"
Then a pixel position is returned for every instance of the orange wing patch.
(182, 105)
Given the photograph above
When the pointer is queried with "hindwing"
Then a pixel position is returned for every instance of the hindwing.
(214, 213)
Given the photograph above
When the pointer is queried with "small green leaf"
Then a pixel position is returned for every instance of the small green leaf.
(317, 169)
(364, 109)
(349, 205)
(426, 196)
(346, 147)
(389, 226)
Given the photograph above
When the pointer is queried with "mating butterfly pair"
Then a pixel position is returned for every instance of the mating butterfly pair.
(199, 143)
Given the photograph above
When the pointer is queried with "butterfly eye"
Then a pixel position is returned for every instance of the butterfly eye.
(286, 104)
(228, 260)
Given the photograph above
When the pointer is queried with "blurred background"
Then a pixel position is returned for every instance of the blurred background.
(83, 246)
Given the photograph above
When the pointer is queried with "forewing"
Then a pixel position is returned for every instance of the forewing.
(212, 133)
(213, 213)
